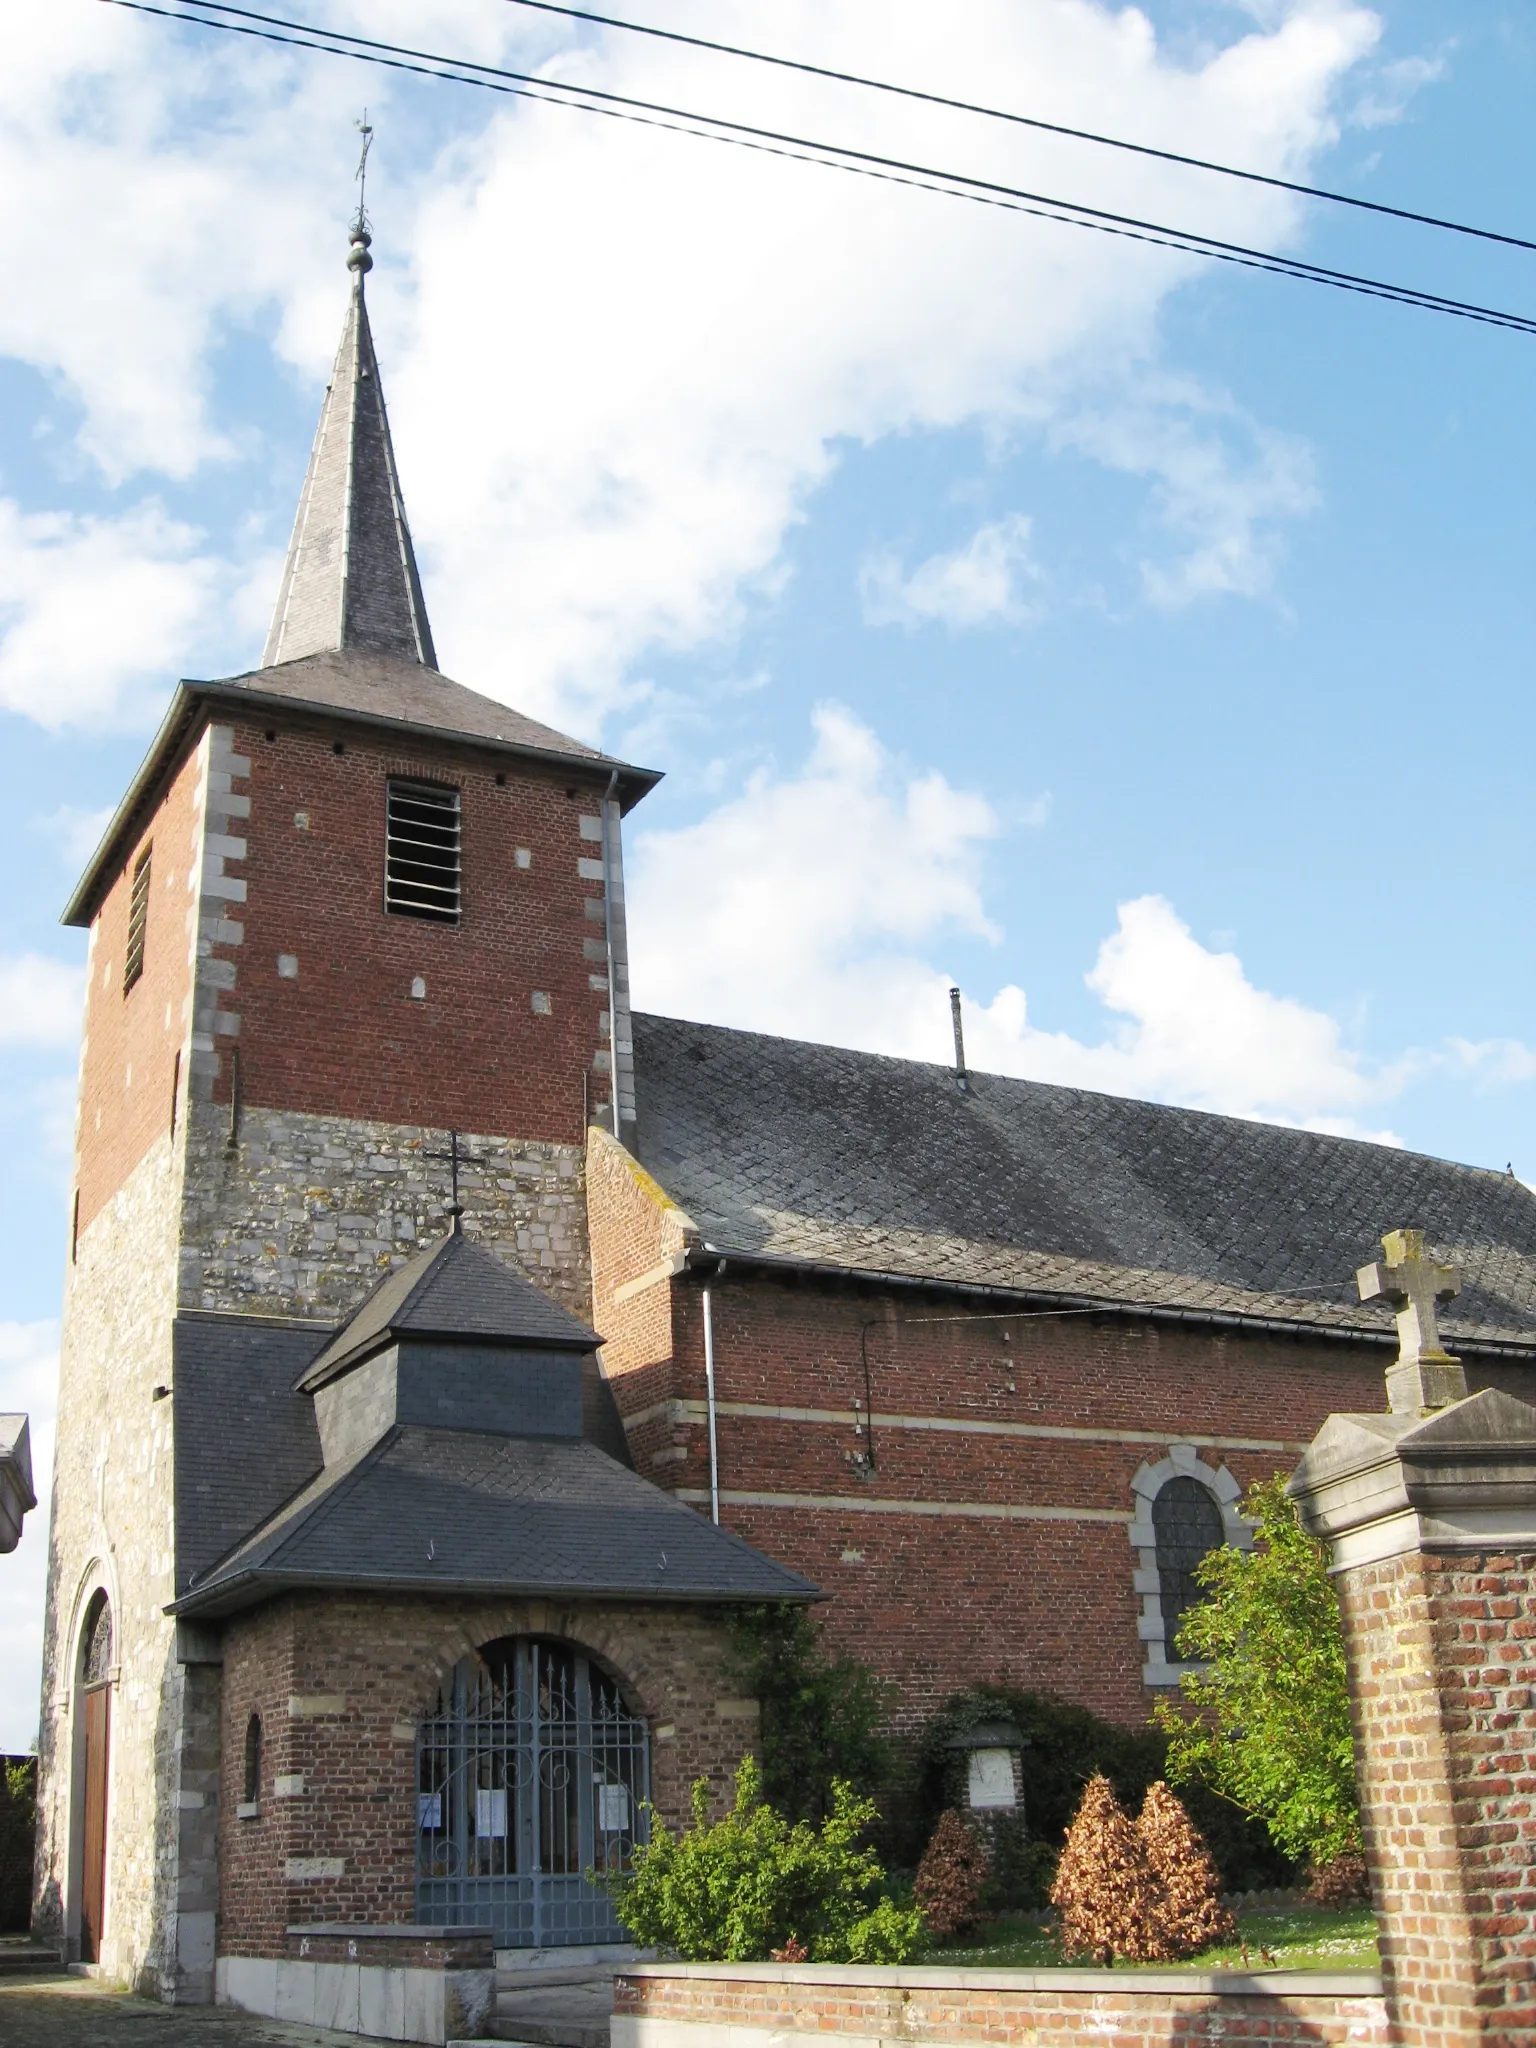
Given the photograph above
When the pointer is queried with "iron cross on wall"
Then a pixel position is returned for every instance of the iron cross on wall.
(451, 1159)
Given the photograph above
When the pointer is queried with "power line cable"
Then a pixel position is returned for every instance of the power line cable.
(831, 156)
(935, 99)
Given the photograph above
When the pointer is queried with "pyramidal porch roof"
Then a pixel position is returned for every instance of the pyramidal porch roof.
(350, 637)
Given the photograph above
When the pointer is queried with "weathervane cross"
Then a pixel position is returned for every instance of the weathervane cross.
(1425, 1375)
(453, 1158)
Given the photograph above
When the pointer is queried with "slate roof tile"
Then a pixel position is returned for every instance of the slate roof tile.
(440, 1510)
(810, 1152)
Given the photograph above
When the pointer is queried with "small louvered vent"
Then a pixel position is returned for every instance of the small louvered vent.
(138, 919)
(421, 856)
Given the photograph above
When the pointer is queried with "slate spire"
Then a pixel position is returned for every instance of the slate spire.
(350, 580)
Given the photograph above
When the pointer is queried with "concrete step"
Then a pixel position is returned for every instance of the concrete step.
(20, 1957)
(549, 2033)
(549, 2008)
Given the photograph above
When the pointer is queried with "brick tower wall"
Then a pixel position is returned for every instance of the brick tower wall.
(258, 1122)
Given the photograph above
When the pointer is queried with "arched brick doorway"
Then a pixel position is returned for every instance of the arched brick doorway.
(533, 1770)
(96, 1707)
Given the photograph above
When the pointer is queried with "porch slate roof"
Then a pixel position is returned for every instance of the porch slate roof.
(813, 1154)
(439, 1511)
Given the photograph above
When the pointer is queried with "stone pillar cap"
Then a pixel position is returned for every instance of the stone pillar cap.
(1461, 1478)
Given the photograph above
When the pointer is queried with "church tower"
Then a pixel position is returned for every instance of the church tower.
(357, 967)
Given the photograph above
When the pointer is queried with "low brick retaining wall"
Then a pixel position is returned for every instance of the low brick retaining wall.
(731, 2005)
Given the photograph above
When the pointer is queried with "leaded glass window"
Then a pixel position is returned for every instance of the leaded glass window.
(1186, 1521)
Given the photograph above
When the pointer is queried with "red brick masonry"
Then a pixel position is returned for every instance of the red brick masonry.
(658, 2005)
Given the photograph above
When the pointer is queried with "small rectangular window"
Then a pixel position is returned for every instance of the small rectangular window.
(421, 855)
(138, 918)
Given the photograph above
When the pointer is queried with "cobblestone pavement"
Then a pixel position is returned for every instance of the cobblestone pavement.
(71, 2012)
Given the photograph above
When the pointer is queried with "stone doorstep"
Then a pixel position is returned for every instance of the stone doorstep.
(22, 1958)
(549, 2033)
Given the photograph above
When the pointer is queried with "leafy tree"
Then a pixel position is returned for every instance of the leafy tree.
(1267, 1726)
(755, 1883)
(823, 1716)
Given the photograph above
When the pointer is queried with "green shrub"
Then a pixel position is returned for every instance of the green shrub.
(742, 1887)
(18, 1828)
(823, 1716)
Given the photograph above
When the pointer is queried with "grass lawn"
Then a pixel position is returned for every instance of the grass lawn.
(1296, 1938)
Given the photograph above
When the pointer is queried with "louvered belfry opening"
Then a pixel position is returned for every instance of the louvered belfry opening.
(422, 874)
(138, 920)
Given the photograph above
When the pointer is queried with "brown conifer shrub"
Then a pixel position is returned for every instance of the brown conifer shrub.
(950, 1878)
(1193, 1915)
(1108, 1901)
(1344, 1881)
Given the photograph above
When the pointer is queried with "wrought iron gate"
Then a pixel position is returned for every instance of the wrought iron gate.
(531, 1772)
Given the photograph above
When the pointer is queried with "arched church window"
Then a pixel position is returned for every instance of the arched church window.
(533, 1770)
(1185, 1509)
(98, 1641)
(253, 1760)
(1188, 1526)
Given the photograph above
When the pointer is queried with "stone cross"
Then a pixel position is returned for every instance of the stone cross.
(1425, 1375)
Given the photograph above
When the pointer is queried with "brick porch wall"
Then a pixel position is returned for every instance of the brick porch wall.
(340, 1684)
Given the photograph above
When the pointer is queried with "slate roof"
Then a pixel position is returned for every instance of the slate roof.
(245, 1440)
(815, 1155)
(350, 578)
(436, 1511)
(453, 1289)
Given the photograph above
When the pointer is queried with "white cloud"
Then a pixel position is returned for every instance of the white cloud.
(1495, 1062)
(813, 904)
(978, 584)
(1392, 88)
(607, 425)
(94, 610)
(40, 1001)
(76, 832)
(1222, 483)
(29, 1378)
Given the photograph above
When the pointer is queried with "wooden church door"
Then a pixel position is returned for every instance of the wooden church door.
(98, 1748)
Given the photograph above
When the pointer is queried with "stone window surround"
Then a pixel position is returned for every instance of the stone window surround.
(1182, 1462)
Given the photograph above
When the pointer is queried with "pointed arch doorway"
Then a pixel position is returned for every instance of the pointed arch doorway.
(96, 1705)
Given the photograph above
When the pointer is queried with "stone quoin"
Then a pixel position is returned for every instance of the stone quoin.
(424, 1304)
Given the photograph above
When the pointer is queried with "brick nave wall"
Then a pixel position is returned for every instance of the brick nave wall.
(989, 1540)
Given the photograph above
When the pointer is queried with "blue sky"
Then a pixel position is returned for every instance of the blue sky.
(1143, 645)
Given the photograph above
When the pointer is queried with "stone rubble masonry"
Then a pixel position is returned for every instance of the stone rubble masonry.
(307, 1212)
(1003, 1502)
(112, 1529)
(340, 1684)
(733, 2005)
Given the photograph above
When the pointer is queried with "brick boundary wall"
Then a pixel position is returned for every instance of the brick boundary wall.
(691, 2006)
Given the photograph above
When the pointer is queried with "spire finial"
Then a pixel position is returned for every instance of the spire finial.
(358, 259)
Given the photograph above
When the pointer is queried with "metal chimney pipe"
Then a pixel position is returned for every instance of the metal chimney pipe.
(954, 1011)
